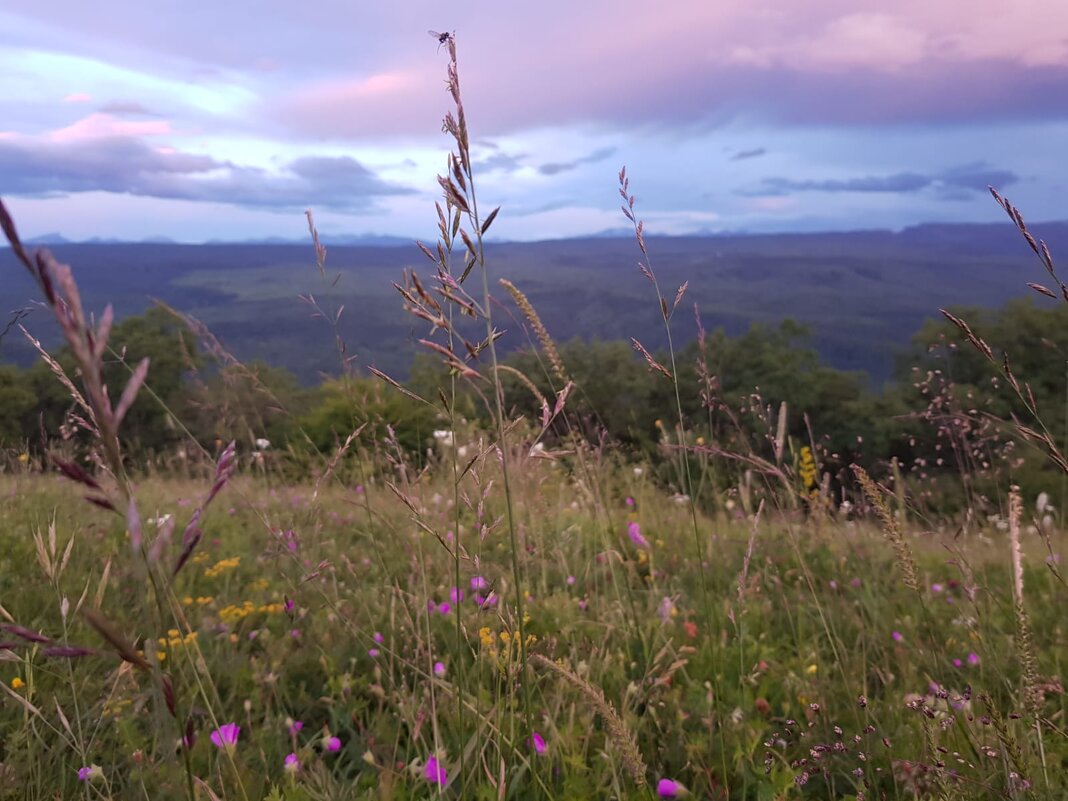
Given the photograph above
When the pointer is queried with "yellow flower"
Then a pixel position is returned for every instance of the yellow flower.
(16, 683)
(23, 458)
(811, 669)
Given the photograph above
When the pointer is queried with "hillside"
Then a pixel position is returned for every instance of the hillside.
(862, 293)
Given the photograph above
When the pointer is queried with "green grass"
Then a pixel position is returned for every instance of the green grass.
(811, 629)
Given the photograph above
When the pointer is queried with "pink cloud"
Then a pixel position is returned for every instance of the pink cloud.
(78, 97)
(99, 126)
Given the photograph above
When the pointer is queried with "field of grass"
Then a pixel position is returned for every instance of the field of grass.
(361, 659)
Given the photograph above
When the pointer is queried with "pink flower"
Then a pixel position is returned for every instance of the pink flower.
(444, 608)
(295, 726)
(634, 531)
(630, 501)
(291, 764)
(479, 583)
(332, 744)
(439, 669)
(456, 595)
(373, 652)
(896, 636)
(378, 638)
(538, 742)
(669, 788)
(973, 659)
(226, 736)
(435, 772)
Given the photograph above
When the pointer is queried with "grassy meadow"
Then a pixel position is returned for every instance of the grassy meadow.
(518, 610)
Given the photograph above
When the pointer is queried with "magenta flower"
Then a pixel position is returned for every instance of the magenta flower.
(226, 736)
(669, 788)
(456, 595)
(378, 638)
(630, 501)
(479, 583)
(973, 659)
(896, 636)
(332, 744)
(538, 742)
(444, 608)
(435, 772)
(90, 773)
(295, 726)
(439, 669)
(292, 763)
(372, 652)
(634, 531)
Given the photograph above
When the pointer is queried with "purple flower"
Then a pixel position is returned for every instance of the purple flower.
(226, 736)
(378, 638)
(90, 773)
(295, 726)
(973, 659)
(668, 788)
(291, 764)
(444, 608)
(439, 669)
(634, 531)
(435, 772)
(478, 583)
(373, 652)
(570, 580)
(896, 636)
(936, 588)
(456, 595)
(538, 742)
(957, 663)
(332, 744)
(630, 501)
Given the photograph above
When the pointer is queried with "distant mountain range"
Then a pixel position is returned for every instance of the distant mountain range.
(863, 294)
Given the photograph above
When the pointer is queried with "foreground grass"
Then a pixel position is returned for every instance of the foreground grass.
(325, 626)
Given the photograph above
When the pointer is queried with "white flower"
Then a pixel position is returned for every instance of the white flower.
(638, 472)
(1042, 502)
(443, 437)
(263, 444)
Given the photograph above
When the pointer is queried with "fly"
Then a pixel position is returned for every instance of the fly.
(442, 38)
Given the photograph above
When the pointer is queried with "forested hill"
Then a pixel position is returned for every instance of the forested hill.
(863, 294)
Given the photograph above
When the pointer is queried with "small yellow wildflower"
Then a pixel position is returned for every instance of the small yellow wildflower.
(811, 669)
(24, 458)
(17, 683)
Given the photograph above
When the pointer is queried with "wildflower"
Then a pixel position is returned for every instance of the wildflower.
(479, 583)
(456, 595)
(570, 580)
(24, 458)
(812, 669)
(225, 736)
(630, 501)
(634, 531)
(378, 638)
(957, 663)
(669, 788)
(439, 669)
(444, 608)
(538, 742)
(332, 744)
(373, 652)
(936, 588)
(292, 764)
(896, 636)
(667, 610)
(973, 659)
(294, 726)
(690, 628)
(17, 683)
(435, 772)
(90, 773)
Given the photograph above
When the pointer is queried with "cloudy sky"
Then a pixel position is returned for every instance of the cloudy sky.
(226, 120)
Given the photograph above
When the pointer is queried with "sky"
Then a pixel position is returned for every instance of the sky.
(226, 120)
